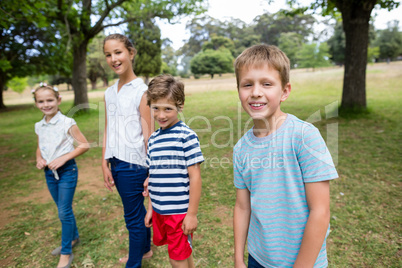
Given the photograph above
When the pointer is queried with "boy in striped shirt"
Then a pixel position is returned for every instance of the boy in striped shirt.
(282, 168)
(174, 186)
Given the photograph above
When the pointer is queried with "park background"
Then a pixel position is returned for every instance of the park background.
(363, 139)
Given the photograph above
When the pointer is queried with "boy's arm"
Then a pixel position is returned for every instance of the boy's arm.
(148, 216)
(241, 221)
(317, 194)
(190, 221)
(82, 147)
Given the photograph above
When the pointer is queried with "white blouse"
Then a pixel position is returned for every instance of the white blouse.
(124, 139)
(54, 139)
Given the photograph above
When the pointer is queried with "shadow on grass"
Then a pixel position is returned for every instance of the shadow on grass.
(18, 107)
(355, 113)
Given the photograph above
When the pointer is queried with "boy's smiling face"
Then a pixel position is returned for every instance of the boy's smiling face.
(261, 92)
(165, 112)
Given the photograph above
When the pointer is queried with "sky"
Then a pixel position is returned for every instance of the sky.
(247, 10)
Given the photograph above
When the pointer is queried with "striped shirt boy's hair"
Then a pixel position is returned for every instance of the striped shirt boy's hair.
(166, 86)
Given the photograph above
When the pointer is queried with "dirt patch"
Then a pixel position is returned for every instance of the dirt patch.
(225, 82)
(225, 215)
(89, 178)
(7, 261)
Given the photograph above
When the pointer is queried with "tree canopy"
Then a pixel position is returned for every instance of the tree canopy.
(389, 41)
(356, 16)
(212, 62)
(28, 45)
(80, 21)
(146, 37)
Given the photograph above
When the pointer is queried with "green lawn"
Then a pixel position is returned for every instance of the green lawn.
(365, 200)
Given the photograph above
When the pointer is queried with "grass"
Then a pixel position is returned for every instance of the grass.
(365, 200)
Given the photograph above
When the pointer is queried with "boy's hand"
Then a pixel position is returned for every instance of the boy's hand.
(58, 162)
(148, 219)
(146, 192)
(107, 177)
(189, 225)
(40, 163)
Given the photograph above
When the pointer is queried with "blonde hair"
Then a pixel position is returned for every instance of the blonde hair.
(263, 55)
(122, 38)
(44, 86)
(166, 86)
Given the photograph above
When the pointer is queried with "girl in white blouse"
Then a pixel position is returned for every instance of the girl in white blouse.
(127, 129)
(55, 154)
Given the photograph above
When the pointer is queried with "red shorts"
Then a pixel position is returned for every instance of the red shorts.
(167, 230)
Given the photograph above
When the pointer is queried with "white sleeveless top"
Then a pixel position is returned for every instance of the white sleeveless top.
(124, 138)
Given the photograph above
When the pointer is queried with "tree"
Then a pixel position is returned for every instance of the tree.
(212, 62)
(146, 37)
(95, 60)
(389, 41)
(271, 26)
(313, 55)
(201, 29)
(372, 54)
(336, 44)
(356, 21)
(217, 42)
(18, 84)
(169, 58)
(82, 20)
(28, 45)
(291, 43)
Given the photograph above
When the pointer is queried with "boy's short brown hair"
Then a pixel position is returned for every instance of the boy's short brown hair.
(260, 55)
(166, 86)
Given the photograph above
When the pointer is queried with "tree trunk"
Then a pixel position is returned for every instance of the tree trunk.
(105, 82)
(2, 105)
(2, 86)
(79, 81)
(146, 80)
(356, 17)
(93, 84)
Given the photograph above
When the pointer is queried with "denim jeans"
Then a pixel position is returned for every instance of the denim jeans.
(62, 191)
(129, 179)
(252, 263)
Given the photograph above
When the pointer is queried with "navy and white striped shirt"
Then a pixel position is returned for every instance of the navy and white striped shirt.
(274, 169)
(170, 152)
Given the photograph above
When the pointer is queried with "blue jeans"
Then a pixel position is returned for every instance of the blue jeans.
(62, 191)
(129, 179)
(252, 263)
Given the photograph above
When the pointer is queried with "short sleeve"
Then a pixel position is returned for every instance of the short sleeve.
(68, 123)
(237, 168)
(37, 128)
(192, 150)
(314, 157)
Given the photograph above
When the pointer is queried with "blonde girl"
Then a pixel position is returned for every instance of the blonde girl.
(55, 154)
